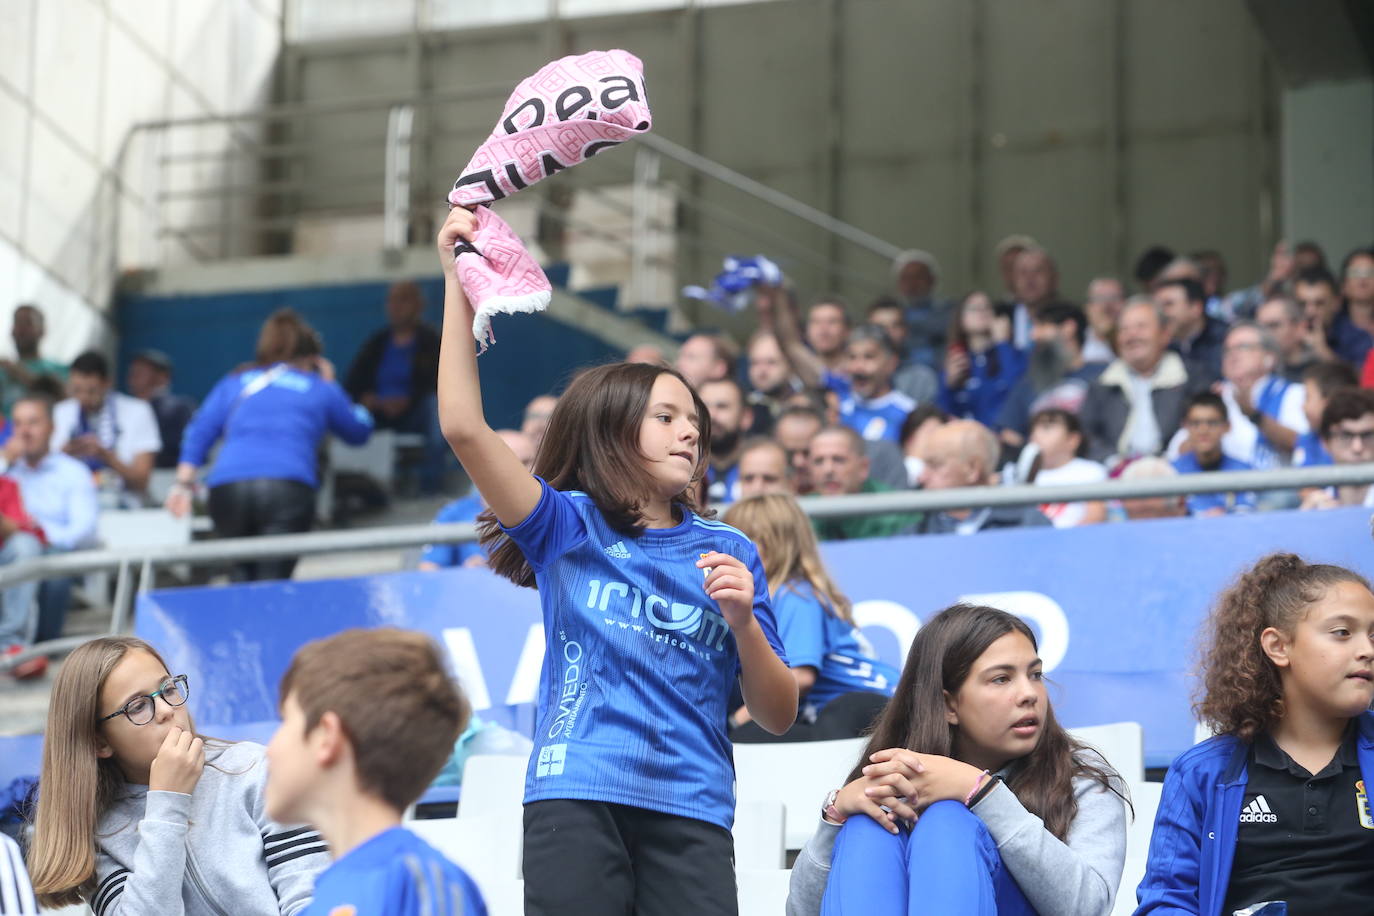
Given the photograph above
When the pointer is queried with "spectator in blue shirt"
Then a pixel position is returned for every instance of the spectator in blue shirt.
(271, 416)
(1205, 419)
(979, 370)
(842, 684)
(873, 408)
(1319, 382)
(466, 509)
(394, 377)
(368, 719)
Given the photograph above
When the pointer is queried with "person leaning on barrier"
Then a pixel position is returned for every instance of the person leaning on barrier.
(272, 415)
(1135, 406)
(1347, 430)
(964, 453)
(840, 466)
(763, 469)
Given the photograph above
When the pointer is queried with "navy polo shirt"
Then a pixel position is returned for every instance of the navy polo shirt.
(1304, 838)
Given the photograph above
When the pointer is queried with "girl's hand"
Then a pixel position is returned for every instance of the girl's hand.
(178, 501)
(870, 795)
(929, 777)
(460, 224)
(325, 369)
(178, 764)
(730, 585)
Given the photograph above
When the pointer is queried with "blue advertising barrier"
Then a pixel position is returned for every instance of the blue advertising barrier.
(1117, 609)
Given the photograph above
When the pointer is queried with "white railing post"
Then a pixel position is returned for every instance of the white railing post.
(396, 189)
(642, 239)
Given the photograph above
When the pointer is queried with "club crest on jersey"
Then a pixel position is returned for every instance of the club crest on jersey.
(1362, 806)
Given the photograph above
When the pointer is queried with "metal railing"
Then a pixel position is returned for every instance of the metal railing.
(238, 185)
(130, 562)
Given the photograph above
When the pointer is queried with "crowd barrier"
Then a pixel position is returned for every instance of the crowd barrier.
(1117, 609)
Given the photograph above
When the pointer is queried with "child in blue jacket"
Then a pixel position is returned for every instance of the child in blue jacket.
(1274, 808)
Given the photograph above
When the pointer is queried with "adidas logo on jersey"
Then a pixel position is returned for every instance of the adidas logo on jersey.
(618, 550)
(1257, 812)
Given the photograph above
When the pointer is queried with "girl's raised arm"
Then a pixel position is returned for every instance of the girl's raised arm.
(505, 484)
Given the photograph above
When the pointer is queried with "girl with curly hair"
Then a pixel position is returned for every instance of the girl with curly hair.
(1274, 807)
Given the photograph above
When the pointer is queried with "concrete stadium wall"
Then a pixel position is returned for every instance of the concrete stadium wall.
(75, 76)
(1098, 127)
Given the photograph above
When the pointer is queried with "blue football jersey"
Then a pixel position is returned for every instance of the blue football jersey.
(639, 662)
(880, 418)
(844, 660)
(394, 874)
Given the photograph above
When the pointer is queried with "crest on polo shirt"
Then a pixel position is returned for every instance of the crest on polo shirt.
(1362, 806)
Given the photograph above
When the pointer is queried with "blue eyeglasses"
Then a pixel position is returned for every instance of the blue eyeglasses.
(140, 710)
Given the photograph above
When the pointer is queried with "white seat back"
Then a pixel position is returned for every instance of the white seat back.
(758, 834)
(762, 891)
(118, 528)
(493, 784)
(1145, 799)
(1121, 743)
(487, 847)
(797, 774)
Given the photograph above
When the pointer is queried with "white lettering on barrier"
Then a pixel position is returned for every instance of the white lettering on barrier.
(896, 618)
(467, 667)
(1038, 609)
(524, 684)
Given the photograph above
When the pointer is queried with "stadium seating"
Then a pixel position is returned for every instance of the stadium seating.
(798, 775)
(1145, 801)
(1121, 743)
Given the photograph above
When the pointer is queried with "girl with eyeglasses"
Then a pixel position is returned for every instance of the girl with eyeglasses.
(137, 813)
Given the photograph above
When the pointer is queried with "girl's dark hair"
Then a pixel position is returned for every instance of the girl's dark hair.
(958, 336)
(1241, 691)
(940, 659)
(592, 445)
(1049, 417)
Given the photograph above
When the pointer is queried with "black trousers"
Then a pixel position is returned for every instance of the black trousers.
(265, 505)
(594, 858)
(849, 715)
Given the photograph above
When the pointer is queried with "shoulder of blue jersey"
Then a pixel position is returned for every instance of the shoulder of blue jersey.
(716, 527)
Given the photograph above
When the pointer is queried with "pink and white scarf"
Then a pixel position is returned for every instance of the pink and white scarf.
(566, 113)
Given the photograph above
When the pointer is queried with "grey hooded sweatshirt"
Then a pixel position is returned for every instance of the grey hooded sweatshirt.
(211, 853)
(1077, 878)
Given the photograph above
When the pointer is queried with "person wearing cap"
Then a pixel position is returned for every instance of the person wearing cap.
(916, 273)
(150, 379)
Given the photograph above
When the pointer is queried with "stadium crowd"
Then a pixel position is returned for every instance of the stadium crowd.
(1173, 371)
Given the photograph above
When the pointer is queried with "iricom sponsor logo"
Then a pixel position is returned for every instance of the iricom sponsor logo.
(1257, 812)
(706, 628)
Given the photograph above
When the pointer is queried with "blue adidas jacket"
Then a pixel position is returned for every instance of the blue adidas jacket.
(1194, 838)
